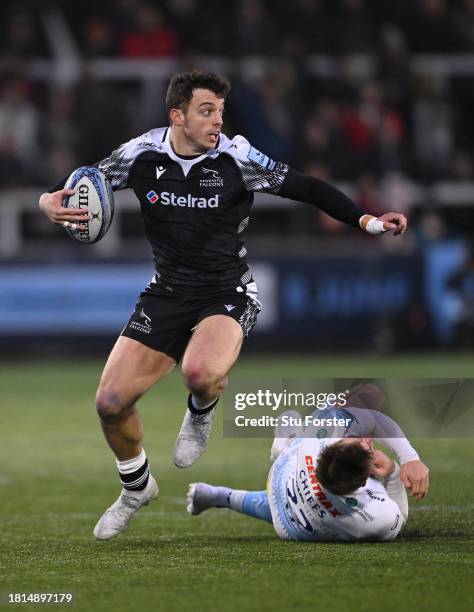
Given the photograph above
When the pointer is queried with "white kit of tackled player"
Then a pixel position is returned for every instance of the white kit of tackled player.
(329, 484)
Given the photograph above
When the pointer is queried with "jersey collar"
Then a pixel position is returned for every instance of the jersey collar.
(187, 164)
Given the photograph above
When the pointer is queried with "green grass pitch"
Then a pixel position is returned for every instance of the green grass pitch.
(57, 476)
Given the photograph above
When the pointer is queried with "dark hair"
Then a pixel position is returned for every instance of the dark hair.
(181, 87)
(343, 468)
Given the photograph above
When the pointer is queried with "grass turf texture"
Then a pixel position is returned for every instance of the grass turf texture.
(57, 477)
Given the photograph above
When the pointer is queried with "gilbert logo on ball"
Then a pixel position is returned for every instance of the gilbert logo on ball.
(94, 194)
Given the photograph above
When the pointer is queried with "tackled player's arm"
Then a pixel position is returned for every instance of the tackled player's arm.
(303, 188)
(414, 474)
(388, 471)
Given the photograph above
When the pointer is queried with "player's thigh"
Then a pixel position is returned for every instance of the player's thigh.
(213, 348)
(131, 369)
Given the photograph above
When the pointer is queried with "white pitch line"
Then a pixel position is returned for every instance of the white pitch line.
(90, 515)
(184, 514)
(179, 501)
(440, 508)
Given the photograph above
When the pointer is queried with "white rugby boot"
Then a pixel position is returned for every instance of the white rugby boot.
(194, 435)
(200, 497)
(115, 519)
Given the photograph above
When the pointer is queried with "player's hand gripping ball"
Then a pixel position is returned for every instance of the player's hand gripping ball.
(94, 194)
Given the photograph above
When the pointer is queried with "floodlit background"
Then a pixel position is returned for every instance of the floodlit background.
(377, 97)
(373, 96)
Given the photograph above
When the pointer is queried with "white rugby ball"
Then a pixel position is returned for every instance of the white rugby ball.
(93, 191)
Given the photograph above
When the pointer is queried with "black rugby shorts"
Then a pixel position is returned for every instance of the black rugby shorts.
(165, 321)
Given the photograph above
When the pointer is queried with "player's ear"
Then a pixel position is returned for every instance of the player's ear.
(176, 116)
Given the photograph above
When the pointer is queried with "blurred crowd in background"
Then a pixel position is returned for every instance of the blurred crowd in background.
(332, 124)
(377, 95)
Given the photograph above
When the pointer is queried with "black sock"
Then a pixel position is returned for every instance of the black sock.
(195, 410)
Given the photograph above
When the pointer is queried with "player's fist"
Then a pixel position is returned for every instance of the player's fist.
(382, 465)
(394, 221)
(51, 204)
(415, 477)
(390, 221)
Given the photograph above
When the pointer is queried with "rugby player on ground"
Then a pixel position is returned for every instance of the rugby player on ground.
(331, 488)
(195, 188)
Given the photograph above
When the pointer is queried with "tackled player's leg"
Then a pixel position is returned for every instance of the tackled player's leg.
(202, 496)
(212, 351)
(130, 371)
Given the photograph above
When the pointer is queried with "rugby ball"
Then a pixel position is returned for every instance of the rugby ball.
(93, 191)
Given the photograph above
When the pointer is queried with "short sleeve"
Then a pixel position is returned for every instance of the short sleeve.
(118, 165)
(259, 172)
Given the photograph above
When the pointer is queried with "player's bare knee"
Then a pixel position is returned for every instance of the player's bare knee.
(198, 378)
(110, 406)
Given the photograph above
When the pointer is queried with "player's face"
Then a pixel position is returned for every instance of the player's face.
(202, 121)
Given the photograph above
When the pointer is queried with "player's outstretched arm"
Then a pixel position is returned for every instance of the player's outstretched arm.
(303, 188)
(51, 204)
(414, 474)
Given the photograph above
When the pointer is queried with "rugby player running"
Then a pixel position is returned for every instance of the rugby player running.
(195, 188)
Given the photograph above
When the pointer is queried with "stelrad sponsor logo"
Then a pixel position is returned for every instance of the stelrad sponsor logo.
(189, 201)
(152, 196)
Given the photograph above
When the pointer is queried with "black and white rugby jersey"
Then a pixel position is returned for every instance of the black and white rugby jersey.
(196, 210)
